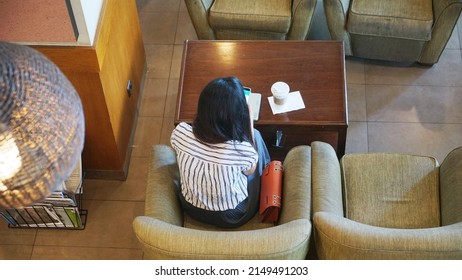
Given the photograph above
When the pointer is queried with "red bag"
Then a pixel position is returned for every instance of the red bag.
(271, 192)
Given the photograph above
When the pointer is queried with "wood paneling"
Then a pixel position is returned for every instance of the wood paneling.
(100, 75)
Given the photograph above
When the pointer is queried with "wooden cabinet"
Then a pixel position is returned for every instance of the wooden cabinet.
(100, 74)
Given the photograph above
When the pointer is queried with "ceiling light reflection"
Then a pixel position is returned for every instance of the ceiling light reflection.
(10, 161)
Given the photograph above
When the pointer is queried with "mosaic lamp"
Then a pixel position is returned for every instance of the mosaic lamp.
(41, 126)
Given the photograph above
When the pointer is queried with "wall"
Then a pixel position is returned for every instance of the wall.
(86, 14)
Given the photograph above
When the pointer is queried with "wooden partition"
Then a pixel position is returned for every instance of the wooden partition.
(100, 74)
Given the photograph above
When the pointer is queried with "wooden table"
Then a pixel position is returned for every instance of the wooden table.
(315, 68)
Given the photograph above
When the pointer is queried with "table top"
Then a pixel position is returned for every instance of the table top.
(315, 68)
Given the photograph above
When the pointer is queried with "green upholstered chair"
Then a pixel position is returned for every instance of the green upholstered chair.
(165, 232)
(251, 19)
(386, 206)
(398, 30)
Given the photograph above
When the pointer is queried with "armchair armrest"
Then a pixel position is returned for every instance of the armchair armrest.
(445, 16)
(451, 188)
(199, 12)
(302, 17)
(336, 15)
(327, 181)
(340, 238)
(165, 241)
(440, 5)
(163, 184)
(296, 196)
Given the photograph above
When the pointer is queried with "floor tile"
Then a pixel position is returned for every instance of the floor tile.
(172, 95)
(158, 60)
(132, 189)
(454, 42)
(354, 70)
(158, 27)
(16, 236)
(185, 29)
(109, 225)
(154, 97)
(356, 102)
(459, 29)
(158, 5)
(435, 140)
(319, 29)
(414, 104)
(15, 252)
(356, 138)
(444, 73)
(183, 6)
(167, 128)
(176, 61)
(147, 133)
(84, 253)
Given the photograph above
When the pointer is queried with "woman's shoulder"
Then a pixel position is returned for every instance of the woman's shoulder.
(182, 132)
(184, 125)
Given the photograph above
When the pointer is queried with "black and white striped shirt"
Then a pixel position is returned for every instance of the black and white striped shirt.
(212, 175)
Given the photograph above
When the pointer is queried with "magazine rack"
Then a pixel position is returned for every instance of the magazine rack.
(61, 210)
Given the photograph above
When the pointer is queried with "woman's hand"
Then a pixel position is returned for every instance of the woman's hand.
(251, 170)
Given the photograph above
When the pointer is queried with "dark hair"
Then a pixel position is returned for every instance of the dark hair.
(223, 113)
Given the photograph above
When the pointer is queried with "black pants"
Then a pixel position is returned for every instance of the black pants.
(246, 209)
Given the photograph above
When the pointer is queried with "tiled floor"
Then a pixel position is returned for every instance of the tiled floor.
(393, 109)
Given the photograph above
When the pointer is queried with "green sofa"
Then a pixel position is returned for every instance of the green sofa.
(251, 19)
(403, 31)
(386, 206)
(165, 232)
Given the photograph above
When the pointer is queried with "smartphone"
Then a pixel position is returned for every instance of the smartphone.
(247, 92)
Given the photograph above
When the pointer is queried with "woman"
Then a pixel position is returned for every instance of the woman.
(221, 157)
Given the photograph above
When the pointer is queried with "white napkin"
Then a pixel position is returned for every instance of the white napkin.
(294, 102)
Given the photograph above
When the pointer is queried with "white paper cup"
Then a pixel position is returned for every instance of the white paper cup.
(280, 91)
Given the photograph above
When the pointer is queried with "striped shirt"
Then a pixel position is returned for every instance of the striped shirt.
(212, 175)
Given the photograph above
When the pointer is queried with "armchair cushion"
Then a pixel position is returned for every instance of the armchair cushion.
(372, 195)
(410, 19)
(340, 238)
(253, 224)
(259, 15)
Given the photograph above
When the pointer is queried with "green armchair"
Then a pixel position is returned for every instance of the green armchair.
(386, 206)
(165, 232)
(403, 31)
(251, 19)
